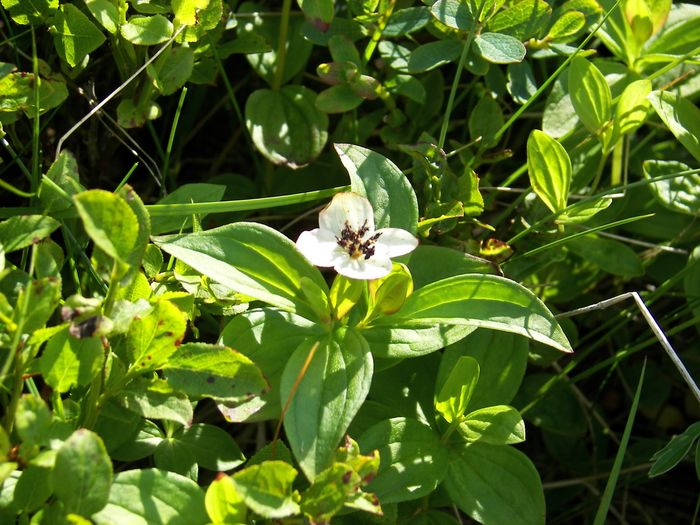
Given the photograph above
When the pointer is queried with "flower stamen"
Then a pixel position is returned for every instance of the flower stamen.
(354, 243)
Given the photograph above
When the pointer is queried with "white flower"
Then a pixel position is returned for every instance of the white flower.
(347, 241)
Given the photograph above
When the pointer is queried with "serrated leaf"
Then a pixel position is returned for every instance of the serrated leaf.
(499, 48)
(549, 168)
(74, 34)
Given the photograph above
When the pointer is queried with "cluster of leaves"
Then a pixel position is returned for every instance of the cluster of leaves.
(129, 348)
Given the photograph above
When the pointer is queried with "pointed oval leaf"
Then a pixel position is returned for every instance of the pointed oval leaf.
(267, 488)
(633, 107)
(147, 30)
(412, 461)
(681, 116)
(486, 301)
(333, 386)
(224, 504)
(590, 94)
(454, 13)
(74, 35)
(24, 230)
(674, 451)
(67, 361)
(522, 20)
(498, 48)
(434, 54)
(251, 259)
(453, 397)
(549, 167)
(680, 194)
(153, 338)
(496, 425)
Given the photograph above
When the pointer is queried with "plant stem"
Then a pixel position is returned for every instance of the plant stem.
(377, 34)
(282, 45)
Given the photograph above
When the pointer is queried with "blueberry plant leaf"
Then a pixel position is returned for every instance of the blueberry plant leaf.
(147, 30)
(68, 361)
(74, 34)
(250, 258)
(155, 400)
(106, 13)
(152, 339)
(334, 385)
(412, 462)
(34, 12)
(507, 488)
(374, 176)
(22, 231)
(522, 20)
(454, 14)
(499, 48)
(82, 474)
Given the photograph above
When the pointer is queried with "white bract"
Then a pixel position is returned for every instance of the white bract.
(347, 241)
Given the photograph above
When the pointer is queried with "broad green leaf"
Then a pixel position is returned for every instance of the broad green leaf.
(44, 296)
(499, 48)
(338, 99)
(502, 359)
(64, 174)
(82, 475)
(32, 420)
(609, 255)
(566, 27)
(486, 301)
(32, 489)
(680, 35)
(454, 14)
(317, 10)
(590, 94)
(184, 194)
(405, 339)
(211, 446)
(332, 488)
(453, 262)
(495, 484)
(632, 107)
(17, 93)
(153, 338)
(265, 64)
(67, 361)
(681, 116)
(142, 445)
(172, 69)
(485, 120)
(106, 13)
(522, 20)
(453, 397)
(412, 461)
(131, 114)
(204, 370)
(691, 282)
(268, 337)
(206, 19)
(117, 426)
(646, 12)
(172, 456)
(680, 194)
(674, 451)
(495, 425)
(332, 388)
(285, 125)
(549, 167)
(267, 488)
(252, 259)
(74, 35)
(35, 12)
(153, 497)
(186, 10)
(406, 21)
(345, 294)
(578, 213)
(147, 30)
(24, 230)
(224, 504)
(521, 82)
(109, 221)
(434, 54)
(374, 176)
(154, 400)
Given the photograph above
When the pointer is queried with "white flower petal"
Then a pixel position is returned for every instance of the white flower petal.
(361, 268)
(321, 248)
(346, 207)
(394, 242)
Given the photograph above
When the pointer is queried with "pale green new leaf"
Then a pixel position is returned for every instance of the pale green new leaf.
(67, 361)
(267, 488)
(549, 168)
(633, 107)
(153, 338)
(453, 397)
(224, 504)
(35, 12)
(496, 425)
(590, 94)
(186, 10)
(147, 30)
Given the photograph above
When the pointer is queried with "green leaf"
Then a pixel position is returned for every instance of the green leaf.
(185, 194)
(499, 48)
(495, 425)
(674, 451)
(251, 259)
(454, 14)
(680, 194)
(691, 282)
(338, 99)
(374, 176)
(590, 94)
(486, 301)
(521, 82)
(106, 13)
(332, 388)
(454, 262)
(317, 10)
(152, 339)
(566, 27)
(170, 455)
(44, 297)
(109, 221)
(82, 475)
(404, 339)
(453, 397)
(147, 30)
(64, 174)
(32, 420)
(224, 504)
(32, 489)
(186, 10)
(142, 445)
(267, 488)
(632, 107)
(211, 446)
(485, 120)
(67, 361)
(412, 462)
(172, 69)
(582, 212)
(612, 256)
(154, 400)
(522, 20)
(549, 167)
(21, 231)
(153, 497)
(434, 54)
(285, 125)
(74, 35)
(35, 12)
(131, 114)
(17, 93)
(495, 484)
(407, 21)
(204, 370)
(679, 36)
(681, 116)
(268, 337)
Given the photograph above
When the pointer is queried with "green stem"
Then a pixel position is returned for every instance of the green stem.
(282, 45)
(36, 132)
(377, 34)
(171, 138)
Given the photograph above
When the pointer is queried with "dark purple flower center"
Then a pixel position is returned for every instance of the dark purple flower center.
(354, 243)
